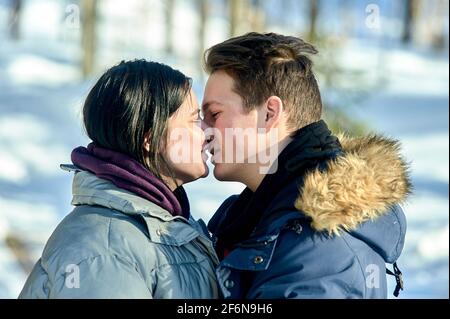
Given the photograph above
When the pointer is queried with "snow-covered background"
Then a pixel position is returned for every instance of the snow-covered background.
(42, 90)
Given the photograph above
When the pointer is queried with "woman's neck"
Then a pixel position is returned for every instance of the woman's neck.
(172, 183)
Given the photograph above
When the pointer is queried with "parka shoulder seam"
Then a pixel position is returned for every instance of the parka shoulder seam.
(359, 262)
(91, 259)
(109, 234)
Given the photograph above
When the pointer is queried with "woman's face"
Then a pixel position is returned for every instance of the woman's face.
(186, 142)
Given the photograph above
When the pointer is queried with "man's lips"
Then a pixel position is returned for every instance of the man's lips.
(209, 146)
(213, 147)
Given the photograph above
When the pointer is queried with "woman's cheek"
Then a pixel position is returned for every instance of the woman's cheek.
(198, 137)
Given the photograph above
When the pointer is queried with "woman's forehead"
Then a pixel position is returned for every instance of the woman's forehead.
(190, 104)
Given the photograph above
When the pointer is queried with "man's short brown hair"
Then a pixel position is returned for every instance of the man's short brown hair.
(263, 65)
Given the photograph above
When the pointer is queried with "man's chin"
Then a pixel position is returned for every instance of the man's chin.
(221, 173)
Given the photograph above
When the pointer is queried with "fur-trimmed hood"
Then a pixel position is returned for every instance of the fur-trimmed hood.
(362, 184)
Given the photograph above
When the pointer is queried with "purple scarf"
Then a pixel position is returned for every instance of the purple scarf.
(125, 172)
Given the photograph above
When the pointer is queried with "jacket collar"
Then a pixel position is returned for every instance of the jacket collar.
(88, 189)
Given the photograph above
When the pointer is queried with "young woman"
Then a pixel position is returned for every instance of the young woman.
(131, 234)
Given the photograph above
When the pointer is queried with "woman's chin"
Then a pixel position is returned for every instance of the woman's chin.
(201, 171)
(205, 170)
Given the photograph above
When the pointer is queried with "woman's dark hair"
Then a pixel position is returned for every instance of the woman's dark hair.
(130, 100)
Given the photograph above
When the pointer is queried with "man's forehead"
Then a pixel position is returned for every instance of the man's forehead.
(219, 80)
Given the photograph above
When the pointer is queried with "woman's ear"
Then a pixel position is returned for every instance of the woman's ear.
(274, 112)
(146, 143)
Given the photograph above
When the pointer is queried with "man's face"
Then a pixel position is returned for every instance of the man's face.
(224, 112)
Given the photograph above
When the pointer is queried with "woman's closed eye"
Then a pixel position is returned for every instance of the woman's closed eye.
(197, 121)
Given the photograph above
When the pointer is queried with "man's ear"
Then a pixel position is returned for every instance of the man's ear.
(274, 112)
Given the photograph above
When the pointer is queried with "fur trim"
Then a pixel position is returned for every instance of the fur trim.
(358, 186)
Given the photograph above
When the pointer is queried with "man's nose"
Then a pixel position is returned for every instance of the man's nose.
(208, 132)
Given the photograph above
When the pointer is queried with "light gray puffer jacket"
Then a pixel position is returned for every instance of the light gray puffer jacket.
(115, 244)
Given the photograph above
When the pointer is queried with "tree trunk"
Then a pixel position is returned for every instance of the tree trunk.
(258, 16)
(89, 16)
(169, 10)
(203, 16)
(348, 18)
(313, 15)
(20, 250)
(233, 8)
(14, 19)
(409, 19)
(439, 40)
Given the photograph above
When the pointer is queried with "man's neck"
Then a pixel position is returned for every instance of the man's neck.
(254, 180)
(255, 172)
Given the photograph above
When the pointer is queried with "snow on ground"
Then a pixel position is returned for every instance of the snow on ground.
(414, 108)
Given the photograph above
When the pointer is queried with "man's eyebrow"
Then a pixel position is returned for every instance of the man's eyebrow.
(206, 105)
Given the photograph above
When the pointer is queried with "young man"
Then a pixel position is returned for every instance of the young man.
(324, 219)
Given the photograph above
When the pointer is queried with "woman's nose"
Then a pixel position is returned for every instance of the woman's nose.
(204, 125)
